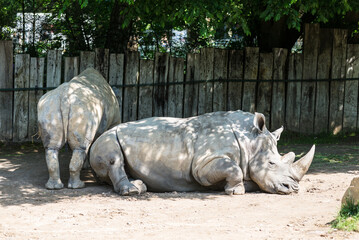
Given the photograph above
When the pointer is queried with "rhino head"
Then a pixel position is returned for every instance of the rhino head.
(272, 172)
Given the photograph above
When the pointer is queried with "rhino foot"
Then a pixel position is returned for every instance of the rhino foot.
(140, 185)
(128, 189)
(236, 190)
(54, 184)
(75, 184)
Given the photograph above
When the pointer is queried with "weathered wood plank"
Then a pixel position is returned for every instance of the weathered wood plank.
(310, 57)
(175, 92)
(6, 81)
(350, 117)
(191, 90)
(71, 68)
(130, 94)
(116, 75)
(21, 98)
(323, 72)
(337, 86)
(294, 92)
(160, 99)
(251, 60)
(101, 61)
(87, 59)
(205, 90)
(221, 73)
(236, 63)
(37, 68)
(53, 69)
(321, 119)
(278, 93)
(145, 107)
(264, 91)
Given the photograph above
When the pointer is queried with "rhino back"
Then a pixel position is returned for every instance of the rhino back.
(159, 151)
(91, 90)
(163, 152)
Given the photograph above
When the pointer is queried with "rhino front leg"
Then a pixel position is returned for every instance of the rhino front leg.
(52, 161)
(222, 169)
(77, 160)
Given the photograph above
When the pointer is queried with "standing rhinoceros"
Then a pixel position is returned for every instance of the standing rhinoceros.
(233, 150)
(76, 112)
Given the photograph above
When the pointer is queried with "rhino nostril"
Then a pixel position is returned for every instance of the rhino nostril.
(286, 185)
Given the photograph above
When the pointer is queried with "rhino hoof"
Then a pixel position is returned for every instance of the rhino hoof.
(129, 189)
(54, 184)
(76, 184)
(237, 190)
(140, 186)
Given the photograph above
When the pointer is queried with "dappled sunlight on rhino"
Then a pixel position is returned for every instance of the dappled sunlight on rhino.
(232, 150)
(76, 112)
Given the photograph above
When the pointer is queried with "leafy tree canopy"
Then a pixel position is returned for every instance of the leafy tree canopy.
(120, 24)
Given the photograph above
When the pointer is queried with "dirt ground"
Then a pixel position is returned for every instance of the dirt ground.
(29, 211)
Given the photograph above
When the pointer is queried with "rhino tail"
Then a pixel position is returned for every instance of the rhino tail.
(65, 114)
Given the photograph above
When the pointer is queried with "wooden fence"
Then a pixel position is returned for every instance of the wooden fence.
(311, 92)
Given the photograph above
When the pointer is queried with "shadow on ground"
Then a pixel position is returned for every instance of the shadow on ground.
(23, 174)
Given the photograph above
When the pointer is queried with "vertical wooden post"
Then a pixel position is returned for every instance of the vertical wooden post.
(71, 68)
(264, 92)
(278, 93)
(191, 90)
(116, 74)
(323, 72)
(145, 107)
(87, 59)
(37, 68)
(6, 81)
(221, 73)
(351, 89)
(21, 98)
(53, 69)
(337, 86)
(130, 93)
(205, 91)
(294, 92)
(250, 73)
(236, 62)
(175, 92)
(311, 47)
(160, 77)
(101, 61)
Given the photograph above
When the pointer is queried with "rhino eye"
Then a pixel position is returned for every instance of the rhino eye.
(112, 161)
(271, 163)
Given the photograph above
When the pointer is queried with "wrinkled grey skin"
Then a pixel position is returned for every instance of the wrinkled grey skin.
(76, 112)
(230, 150)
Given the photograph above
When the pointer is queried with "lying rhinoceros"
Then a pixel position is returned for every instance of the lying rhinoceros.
(233, 150)
(76, 112)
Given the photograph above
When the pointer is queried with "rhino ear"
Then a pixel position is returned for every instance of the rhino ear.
(278, 132)
(259, 122)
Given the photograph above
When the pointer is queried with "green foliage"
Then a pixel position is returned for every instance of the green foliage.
(348, 217)
(87, 24)
(8, 10)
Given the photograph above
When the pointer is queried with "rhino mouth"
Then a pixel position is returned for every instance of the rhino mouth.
(287, 188)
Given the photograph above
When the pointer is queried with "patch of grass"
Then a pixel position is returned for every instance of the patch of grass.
(348, 217)
(288, 138)
(335, 160)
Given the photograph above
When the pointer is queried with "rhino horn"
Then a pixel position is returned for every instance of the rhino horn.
(301, 166)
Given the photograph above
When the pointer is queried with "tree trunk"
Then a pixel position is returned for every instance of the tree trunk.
(273, 34)
(123, 35)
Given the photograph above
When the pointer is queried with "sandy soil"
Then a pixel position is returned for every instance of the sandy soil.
(29, 211)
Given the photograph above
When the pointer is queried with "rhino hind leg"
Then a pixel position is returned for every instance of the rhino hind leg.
(78, 157)
(52, 161)
(222, 169)
(141, 186)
